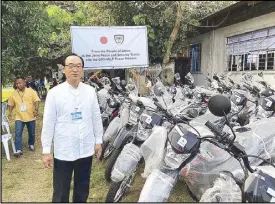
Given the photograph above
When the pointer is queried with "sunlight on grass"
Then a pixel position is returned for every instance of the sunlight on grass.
(26, 180)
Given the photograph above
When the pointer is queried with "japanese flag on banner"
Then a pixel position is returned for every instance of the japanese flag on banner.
(111, 47)
(103, 39)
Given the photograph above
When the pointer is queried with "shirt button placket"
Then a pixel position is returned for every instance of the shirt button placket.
(81, 138)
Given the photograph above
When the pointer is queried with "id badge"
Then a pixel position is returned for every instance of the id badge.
(23, 107)
(76, 116)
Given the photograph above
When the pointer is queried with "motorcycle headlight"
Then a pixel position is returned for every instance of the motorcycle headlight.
(143, 134)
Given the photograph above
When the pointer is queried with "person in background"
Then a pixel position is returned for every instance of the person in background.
(26, 102)
(54, 83)
(14, 84)
(31, 84)
(72, 120)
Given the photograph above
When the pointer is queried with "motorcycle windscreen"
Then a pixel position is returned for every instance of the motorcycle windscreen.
(267, 103)
(259, 187)
(182, 140)
(238, 98)
(147, 121)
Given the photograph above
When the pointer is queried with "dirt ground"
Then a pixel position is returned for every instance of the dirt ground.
(25, 179)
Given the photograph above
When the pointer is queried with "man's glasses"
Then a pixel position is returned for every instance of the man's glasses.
(71, 66)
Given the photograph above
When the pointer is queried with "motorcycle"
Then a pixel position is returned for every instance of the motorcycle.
(183, 145)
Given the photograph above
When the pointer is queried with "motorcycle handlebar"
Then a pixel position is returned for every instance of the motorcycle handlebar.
(235, 148)
(213, 128)
(169, 116)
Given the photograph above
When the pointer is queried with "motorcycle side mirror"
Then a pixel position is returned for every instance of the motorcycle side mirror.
(219, 105)
(260, 74)
(231, 81)
(139, 103)
(216, 78)
(263, 83)
(155, 100)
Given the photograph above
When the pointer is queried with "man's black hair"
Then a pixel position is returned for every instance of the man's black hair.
(20, 77)
(71, 54)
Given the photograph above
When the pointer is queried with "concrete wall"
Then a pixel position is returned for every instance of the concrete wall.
(213, 44)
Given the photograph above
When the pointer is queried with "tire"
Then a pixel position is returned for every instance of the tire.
(104, 129)
(123, 186)
(112, 192)
(108, 151)
(192, 195)
(110, 164)
(104, 146)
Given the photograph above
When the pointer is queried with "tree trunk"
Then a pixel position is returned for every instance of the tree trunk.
(174, 33)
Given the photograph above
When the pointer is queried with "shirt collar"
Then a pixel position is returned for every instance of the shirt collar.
(71, 87)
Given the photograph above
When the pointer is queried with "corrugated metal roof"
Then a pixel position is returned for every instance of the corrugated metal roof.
(231, 7)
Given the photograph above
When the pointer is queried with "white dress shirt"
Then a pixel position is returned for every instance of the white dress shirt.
(73, 139)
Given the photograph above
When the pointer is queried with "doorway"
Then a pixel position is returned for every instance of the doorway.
(182, 66)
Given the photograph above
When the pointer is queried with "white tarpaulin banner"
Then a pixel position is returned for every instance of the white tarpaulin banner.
(111, 47)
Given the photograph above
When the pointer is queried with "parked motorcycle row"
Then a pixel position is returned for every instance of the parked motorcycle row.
(219, 139)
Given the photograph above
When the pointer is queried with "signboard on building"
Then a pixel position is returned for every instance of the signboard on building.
(111, 47)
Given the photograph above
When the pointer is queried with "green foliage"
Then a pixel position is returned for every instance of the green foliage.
(24, 31)
(36, 34)
(159, 17)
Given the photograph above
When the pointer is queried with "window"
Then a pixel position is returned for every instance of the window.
(195, 56)
(251, 51)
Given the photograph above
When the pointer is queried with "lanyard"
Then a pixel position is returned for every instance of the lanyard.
(21, 96)
(77, 102)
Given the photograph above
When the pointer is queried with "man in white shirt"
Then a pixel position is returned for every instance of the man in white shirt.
(72, 120)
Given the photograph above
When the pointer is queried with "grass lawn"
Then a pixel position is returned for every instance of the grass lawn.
(25, 179)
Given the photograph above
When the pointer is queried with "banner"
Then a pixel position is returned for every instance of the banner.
(111, 47)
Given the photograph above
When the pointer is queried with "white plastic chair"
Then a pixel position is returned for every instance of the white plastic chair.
(6, 128)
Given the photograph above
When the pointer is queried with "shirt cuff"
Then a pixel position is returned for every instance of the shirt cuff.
(98, 140)
(46, 150)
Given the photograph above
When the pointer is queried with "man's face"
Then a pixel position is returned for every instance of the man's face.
(29, 78)
(73, 68)
(20, 84)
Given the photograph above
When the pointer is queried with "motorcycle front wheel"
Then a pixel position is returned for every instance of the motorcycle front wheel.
(110, 163)
(118, 189)
(104, 148)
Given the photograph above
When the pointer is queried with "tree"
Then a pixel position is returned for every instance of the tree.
(168, 22)
(24, 32)
(36, 34)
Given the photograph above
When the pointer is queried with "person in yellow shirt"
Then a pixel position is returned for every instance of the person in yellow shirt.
(26, 103)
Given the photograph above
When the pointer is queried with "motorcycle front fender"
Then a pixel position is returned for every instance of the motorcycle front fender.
(122, 137)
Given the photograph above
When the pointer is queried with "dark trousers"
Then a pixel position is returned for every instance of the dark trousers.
(19, 126)
(62, 176)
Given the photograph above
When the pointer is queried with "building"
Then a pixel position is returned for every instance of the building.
(238, 38)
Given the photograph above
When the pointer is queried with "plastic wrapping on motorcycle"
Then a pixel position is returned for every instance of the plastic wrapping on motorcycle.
(134, 114)
(112, 129)
(238, 97)
(173, 160)
(124, 116)
(162, 94)
(157, 187)
(200, 173)
(224, 189)
(199, 123)
(131, 87)
(102, 98)
(153, 149)
(147, 120)
(179, 95)
(126, 162)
